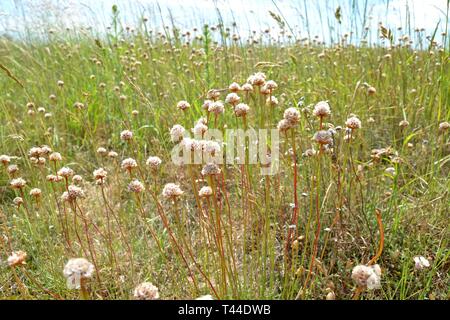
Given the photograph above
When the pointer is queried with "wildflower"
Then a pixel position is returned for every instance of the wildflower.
(444, 126)
(213, 94)
(331, 295)
(232, 98)
(310, 152)
(53, 178)
(292, 115)
(322, 109)
(216, 107)
(136, 186)
(205, 297)
(12, 169)
(77, 178)
(421, 262)
(128, 164)
(247, 87)
(206, 104)
(241, 110)
(211, 147)
(17, 258)
(371, 91)
(126, 135)
(102, 151)
(183, 105)
(271, 85)
(199, 129)
(390, 170)
(35, 192)
(100, 174)
(76, 270)
(264, 90)
(113, 154)
(176, 133)
(78, 105)
(257, 79)
(18, 183)
(146, 291)
(234, 87)
(284, 125)
(323, 137)
(60, 83)
(367, 276)
(55, 156)
(18, 201)
(35, 152)
(205, 191)
(45, 150)
(353, 123)
(403, 124)
(73, 193)
(65, 172)
(172, 190)
(154, 162)
(5, 159)
(210, 169)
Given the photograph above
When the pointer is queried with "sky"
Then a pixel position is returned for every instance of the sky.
(249, 15)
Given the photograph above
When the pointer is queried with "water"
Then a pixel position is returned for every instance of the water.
(304, 18)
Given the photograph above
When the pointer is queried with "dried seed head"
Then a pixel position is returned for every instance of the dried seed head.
(403, 124)
(146, 291)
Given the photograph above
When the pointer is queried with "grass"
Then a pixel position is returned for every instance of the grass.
(239, 243)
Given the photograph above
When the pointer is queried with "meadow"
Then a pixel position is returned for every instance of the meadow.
(93, 207)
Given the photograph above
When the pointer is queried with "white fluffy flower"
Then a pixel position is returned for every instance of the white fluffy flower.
(146, 291)
(367, 276)
(77, 269)
(421, 262)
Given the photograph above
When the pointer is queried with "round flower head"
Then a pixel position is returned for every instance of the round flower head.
(55, 156)
(102, 151)
(77, 269)
(176, 133)
(271, 85)
(45, 150)
(18, 183)
(5, 159)
(234, 87)
(205, 191)
(353, 123)
(128, 164)
(403, 124)
(257, 79)
(210, 169)
(136, 186)
(241, 110)
(53, 178)
(65, 172)
(18, 201)
(154, 162)
(183, 105)
(126, 135)
(272, 101)
(199, 129)
(211, 147)
(323, 137)
(100, 174)
(172, 190)
(264, 90)
(247, 87)
(12, 169)
(232, 98)
(292, 115)
(35, 192)
(284, 125)
(78, 105)
(444, 126)
(113, 154)
(371, 91)
(35, 152)
(146, 291)
(367, 276)
(17, 258)
(216, 107)
(206, 104)
(213, 94)
(421, 262)
(73, 193)
(322, 109)
(77, 179)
